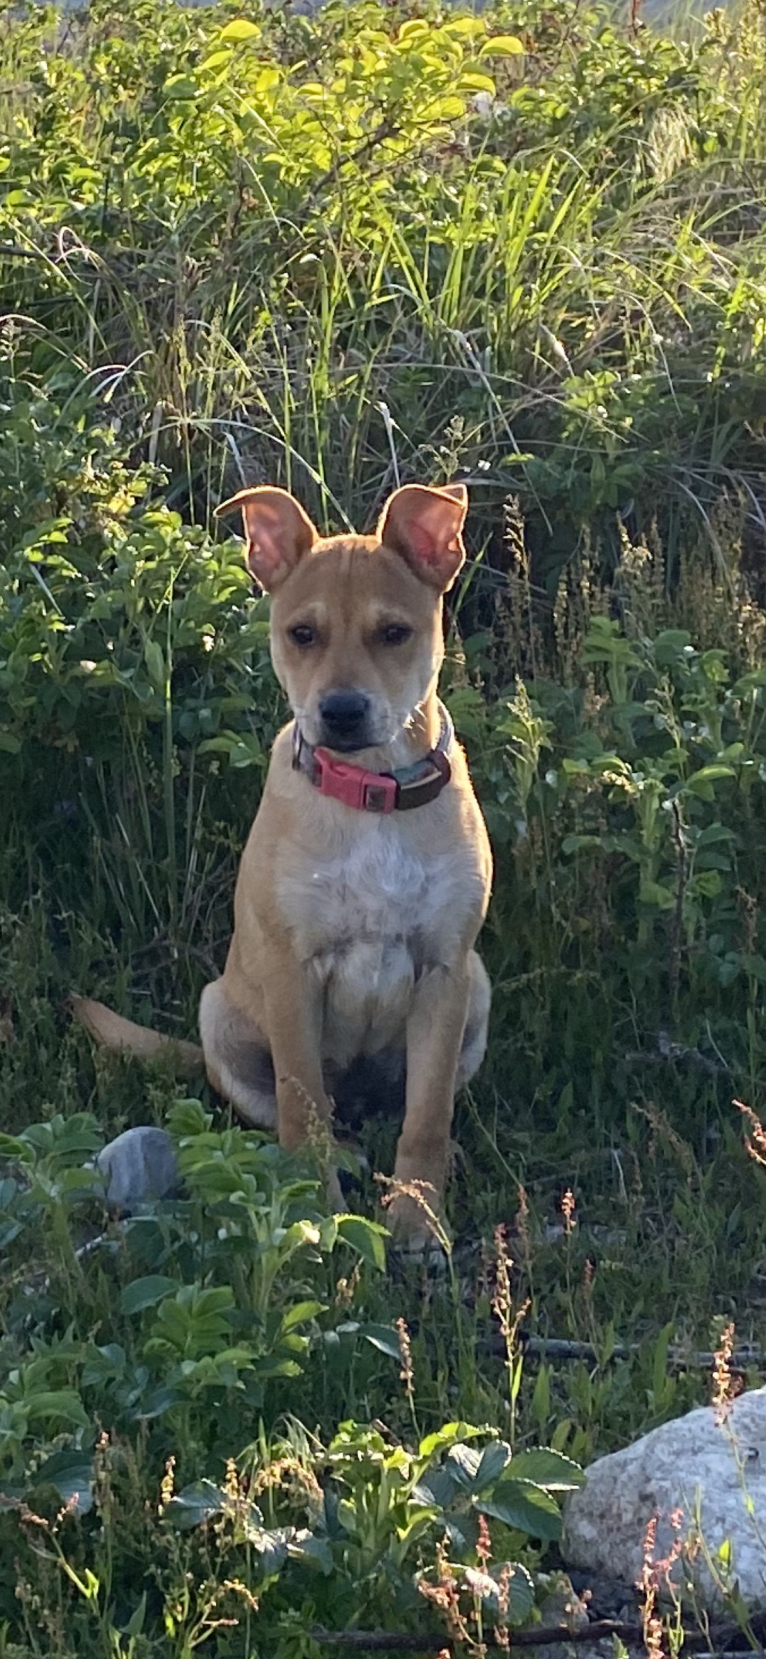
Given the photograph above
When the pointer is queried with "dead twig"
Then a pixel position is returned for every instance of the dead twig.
(717, 1641)
(377, 1641)
(544, 1347)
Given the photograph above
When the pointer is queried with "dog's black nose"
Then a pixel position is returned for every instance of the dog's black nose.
(344, 719)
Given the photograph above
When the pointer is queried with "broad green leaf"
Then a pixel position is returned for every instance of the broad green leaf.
(435, 1490)
(462, 1463)
(501, 46)
(316, 1552)
(11, 1146)
(448, 1435)
(546, 1468)
(521, 1504)
(216, 59)
(240, 29)
(71, 1473)
(300, 1312)
(147, 1292)
(384, 1338)
(63, 1404)
(700, 782)
(195, 1504)
(366, 1237)
(472, 81)
(521, 1598)
(492, 1463)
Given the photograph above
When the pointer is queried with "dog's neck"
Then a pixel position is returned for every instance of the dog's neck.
(411, 743)
(416, 739)
(389, 778)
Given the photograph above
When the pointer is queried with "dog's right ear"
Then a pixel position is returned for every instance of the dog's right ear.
(277, 531)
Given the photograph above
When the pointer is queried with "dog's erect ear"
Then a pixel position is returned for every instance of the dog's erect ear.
(277, 531)
(424, 526)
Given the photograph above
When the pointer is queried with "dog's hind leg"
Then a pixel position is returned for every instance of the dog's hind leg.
(237, 1058)
(477, 1020)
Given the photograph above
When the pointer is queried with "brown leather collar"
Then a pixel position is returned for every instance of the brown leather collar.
(381, 792)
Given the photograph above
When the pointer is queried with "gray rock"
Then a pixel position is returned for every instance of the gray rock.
(137, 1166)
(711, 1467)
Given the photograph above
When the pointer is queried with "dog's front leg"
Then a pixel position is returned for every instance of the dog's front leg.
(434, 1034)
(294, 1000)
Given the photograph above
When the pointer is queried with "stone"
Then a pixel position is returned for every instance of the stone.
(138, 1166)
(709, 1464)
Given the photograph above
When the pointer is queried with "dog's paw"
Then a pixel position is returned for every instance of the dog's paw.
(421, 1251)
(417, 1237)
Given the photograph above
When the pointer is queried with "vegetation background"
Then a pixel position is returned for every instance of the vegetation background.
(384, 243)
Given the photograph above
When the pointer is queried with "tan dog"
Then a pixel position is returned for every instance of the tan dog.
(366, 875)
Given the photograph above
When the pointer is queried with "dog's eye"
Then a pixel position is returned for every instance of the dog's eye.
(302, 634)
(394, 633)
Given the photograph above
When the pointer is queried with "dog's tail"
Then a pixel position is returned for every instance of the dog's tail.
(110, 1030)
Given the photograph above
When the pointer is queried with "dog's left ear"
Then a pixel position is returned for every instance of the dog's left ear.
(277, 531)
(424, 526)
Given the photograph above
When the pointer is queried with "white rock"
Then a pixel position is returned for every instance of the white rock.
(139, 1165)
(713, 1470)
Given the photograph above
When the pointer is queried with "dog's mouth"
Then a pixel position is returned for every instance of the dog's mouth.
(346, 722)
(349, 742)
(373, 728)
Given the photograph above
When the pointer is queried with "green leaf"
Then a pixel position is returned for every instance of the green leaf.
(700, 782)
(462, 1464)
(522, 1594)
(300, 1313)
(11, 1146)
(135, 1624)
(63, 1404)
(366, 1237)
(316, 1552)
(521, 1504)
(652, 892)
(384, 1338)
(471, 81)
(271, 1547)
(146, 1293)
(71, 1473)
(155, 664)
(240, 29)
(502, 46)
(446, 1436)
(491, 1465)
(195, 1505)
(546, 1468)
(577, 843)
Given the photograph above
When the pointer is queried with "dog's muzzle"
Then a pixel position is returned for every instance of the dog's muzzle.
(345, 717)
(381, 792)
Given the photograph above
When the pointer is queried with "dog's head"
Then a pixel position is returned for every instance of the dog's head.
(356, 621)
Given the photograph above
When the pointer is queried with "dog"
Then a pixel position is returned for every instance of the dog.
(366, 876)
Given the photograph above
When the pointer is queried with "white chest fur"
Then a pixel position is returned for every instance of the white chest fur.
(368, 915)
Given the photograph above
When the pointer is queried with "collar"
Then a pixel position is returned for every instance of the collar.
(382, 792)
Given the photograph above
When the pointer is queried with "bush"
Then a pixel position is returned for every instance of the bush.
(526, 249)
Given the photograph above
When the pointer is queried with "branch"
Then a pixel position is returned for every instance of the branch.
(715, 1642)
(697, 1360)
(379, 1641)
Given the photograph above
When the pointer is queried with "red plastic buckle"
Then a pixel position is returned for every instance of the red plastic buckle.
(367, 791)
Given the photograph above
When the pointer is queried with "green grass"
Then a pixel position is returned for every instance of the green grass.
(263, 248)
